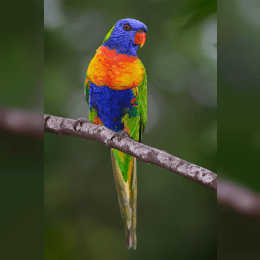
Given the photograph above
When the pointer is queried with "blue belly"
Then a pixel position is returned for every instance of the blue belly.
(110, 105)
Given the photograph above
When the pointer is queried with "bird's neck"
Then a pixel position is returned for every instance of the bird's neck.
(121, 47)
(107, 56)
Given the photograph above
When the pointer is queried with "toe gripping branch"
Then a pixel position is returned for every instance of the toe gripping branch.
(120, 135)
(79, 122)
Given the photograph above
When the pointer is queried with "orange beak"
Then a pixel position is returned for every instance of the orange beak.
(140, 38)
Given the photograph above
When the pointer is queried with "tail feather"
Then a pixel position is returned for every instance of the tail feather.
(127, 197)
(133, 205)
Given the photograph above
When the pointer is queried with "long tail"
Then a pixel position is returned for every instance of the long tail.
(124, 169)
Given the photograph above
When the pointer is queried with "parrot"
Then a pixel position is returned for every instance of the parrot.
(116, 92)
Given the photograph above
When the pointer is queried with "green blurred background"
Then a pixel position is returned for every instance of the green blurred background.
(82, 216)
(238, 122)
(176, 217)
(21, 158)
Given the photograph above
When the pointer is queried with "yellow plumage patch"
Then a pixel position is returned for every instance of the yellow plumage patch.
(116, 71)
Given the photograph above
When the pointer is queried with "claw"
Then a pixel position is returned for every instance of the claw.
(80, 122)
(121, 135)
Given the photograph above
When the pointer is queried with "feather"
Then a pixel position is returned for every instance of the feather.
(116, 91)
(127, 196)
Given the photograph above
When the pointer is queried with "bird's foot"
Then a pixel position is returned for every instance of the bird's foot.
(80, 122)
(120, 135)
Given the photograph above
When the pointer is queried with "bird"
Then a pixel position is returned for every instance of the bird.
(116, 92)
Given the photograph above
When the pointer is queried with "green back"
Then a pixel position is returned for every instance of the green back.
(108, 35)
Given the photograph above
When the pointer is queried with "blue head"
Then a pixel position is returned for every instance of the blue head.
(126, 36)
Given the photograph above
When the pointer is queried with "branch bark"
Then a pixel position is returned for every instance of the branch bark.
(238, 198)
(21, 123)
(29, 123)
(122, 142)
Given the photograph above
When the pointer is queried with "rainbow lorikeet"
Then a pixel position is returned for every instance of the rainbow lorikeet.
(116, 91)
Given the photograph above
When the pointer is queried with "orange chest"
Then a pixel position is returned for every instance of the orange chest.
(116, 71)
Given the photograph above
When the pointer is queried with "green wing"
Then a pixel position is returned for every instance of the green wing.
(135, 118)
(92, 112)
(142, 106)
(86, 89)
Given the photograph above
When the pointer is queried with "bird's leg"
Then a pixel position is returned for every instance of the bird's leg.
(120, 135)
(80, 122)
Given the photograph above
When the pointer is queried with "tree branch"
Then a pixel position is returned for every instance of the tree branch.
(65, 126)
(238, 198)
(21, 123)
(29, 123)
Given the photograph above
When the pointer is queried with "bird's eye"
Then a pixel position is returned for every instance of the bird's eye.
(126, 27)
